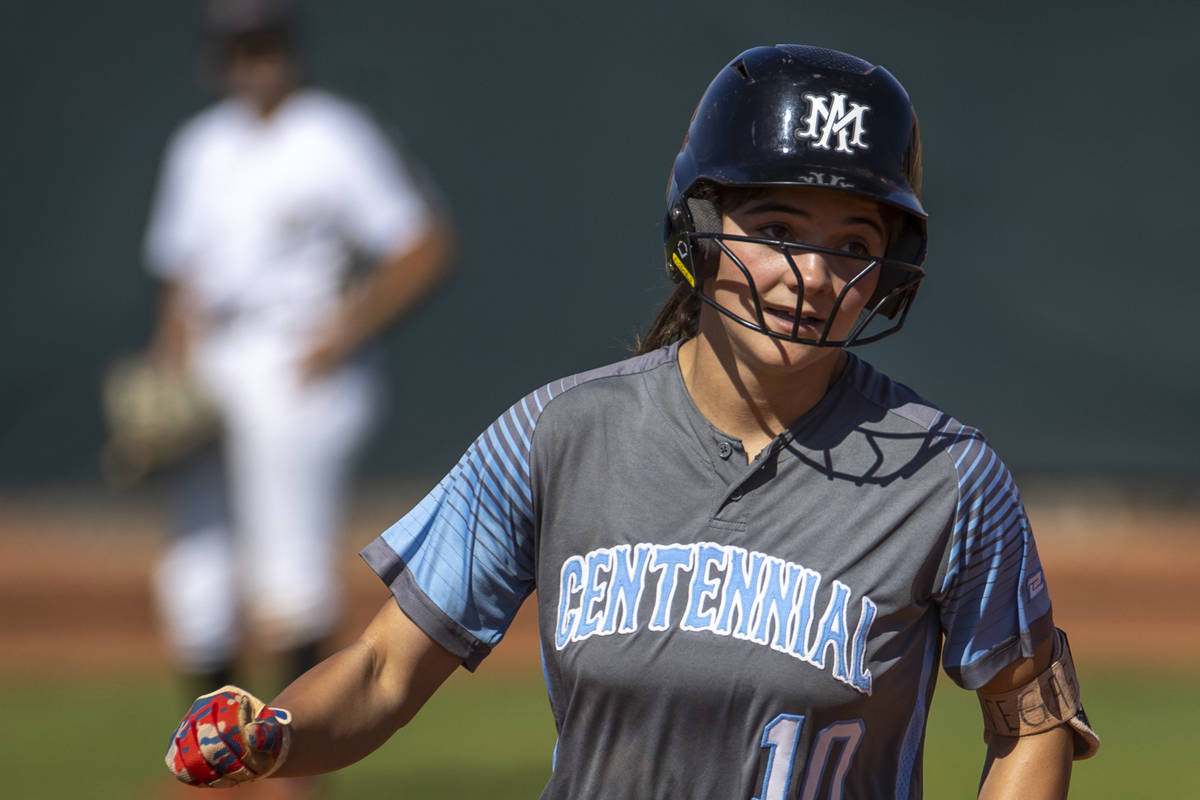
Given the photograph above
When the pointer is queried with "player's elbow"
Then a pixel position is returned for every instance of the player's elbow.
(1037, 766)
(404, 665)
(440, 246)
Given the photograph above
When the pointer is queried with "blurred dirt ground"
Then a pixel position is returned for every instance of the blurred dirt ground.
(75, 572)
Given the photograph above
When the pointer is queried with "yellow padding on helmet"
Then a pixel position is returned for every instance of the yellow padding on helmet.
(683, 270)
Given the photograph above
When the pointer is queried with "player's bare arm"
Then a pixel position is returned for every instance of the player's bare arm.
(394, 286)
(170, 340)
(349, 704)
(1033, 766)
(330, 717)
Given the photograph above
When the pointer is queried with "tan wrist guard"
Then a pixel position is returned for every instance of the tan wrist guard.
(1049, 700)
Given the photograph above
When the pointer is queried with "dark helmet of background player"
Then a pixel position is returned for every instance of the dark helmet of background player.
(248, 24)
(793, 115)
(229, 19)
(251, 50)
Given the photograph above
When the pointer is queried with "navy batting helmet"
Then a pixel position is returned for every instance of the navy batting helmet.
(793, 115)
(227, 19)
(260, 25)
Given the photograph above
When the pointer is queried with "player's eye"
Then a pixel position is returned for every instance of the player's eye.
(857, 247)
(775, 230)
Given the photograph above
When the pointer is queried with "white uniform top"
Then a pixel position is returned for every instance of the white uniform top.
(261, 218)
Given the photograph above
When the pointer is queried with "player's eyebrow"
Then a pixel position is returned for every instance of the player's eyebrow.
(872, 223)
(778, 207)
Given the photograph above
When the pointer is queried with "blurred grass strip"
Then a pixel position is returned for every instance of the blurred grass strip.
(493, 737)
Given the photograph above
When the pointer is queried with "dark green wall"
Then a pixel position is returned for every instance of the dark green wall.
(1060, 174)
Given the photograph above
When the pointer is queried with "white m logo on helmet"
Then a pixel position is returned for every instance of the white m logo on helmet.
(828, 119)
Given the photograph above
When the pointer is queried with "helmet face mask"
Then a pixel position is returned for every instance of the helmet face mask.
(862, 269)
(807, 117)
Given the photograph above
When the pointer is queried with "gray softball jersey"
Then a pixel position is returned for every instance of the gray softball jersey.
(712, 628)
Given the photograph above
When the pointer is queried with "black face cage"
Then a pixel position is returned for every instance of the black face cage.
(893, 297)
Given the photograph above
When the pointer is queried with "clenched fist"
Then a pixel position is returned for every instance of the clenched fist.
(228, 737)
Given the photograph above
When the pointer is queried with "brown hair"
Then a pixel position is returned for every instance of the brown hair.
(678, 319)
(679, 316)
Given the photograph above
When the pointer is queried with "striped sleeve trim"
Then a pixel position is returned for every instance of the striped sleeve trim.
(993, 601)
(462, 561)
(420, 608)
(989, 613)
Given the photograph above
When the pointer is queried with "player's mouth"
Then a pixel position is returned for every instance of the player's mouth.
(784, 321)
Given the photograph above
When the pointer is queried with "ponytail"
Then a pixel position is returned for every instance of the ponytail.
(679, 318)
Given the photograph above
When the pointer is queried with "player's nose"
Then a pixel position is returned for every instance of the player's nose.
(808, 273)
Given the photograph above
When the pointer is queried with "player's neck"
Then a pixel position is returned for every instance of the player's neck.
(266, 105)
(753, 405)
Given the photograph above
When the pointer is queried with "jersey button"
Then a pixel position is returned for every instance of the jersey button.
(724, 450)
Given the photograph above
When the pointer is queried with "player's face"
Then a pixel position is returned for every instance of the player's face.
(259, 70)
(822, 217)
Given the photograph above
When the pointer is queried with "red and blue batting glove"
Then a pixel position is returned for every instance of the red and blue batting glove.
(229, 737)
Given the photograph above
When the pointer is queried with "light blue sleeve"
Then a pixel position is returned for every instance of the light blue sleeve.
(462, 561)
(994, 603)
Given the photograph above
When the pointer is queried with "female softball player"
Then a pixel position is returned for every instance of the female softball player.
(750, 548)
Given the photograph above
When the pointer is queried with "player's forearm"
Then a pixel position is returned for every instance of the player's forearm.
(169, 342)
(351, 703)
(395, 286)
(1029, 768)
(338, 713)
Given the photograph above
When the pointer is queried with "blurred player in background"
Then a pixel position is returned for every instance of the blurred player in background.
(749, 546)
(266, 200)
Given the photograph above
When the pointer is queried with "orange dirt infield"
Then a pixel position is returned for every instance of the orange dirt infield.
(75, 586)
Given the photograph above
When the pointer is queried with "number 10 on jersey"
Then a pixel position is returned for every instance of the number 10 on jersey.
(780, 738)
